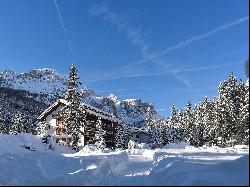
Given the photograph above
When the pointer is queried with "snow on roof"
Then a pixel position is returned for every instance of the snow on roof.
(48, 110)
(136, 129)
(90, 109)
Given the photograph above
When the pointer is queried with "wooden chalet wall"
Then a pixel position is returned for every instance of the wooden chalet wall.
(90, 129)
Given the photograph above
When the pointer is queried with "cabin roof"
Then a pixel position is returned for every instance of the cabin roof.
(90, 109)
(138, 130)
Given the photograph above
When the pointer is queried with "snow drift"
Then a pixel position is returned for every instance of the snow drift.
(177, 165)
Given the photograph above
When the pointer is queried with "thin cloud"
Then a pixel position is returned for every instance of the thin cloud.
(170, 71)
(135, 35)
(188, 42)
(136, 38)
(202, 36)
(184, 43)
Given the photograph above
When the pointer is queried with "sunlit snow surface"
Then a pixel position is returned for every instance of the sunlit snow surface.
(175, 164)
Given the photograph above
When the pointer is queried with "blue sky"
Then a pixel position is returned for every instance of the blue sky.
(161, 51)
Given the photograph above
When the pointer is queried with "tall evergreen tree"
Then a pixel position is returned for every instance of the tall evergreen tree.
(176, 130)
(156, 138)
(228, 104)
(149, 118)
(163, 125)
(243, 133)
(17, 124)
(198, 139)
(3, 128)
(188, 123)
(72, 114)
(42, 128)
(99, 135)
(122, 137)
(209, 122)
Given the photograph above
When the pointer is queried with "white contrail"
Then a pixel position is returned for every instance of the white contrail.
(64, 28)
(204, 35)
(169, 71)
(185, 43)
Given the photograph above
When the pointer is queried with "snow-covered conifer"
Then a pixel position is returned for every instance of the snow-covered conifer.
(209, 121)
(163, 125)
(188, 123)
(228, 104)
(198, 126)
(72, 115)
(243, 133)
(149, 118)
(99, 135)
(17, 124)
(42, 128)
(122, 136)
(3, 128)
(156, 138)
(176, 130)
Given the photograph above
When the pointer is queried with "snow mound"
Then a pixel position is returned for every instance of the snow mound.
(179, 171)
(26, 143)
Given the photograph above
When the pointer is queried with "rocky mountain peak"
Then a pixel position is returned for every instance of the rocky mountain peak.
(47, 85)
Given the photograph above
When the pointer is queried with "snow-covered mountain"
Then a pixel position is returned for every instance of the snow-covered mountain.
(130, 111)
(47, 85)
(42, 81)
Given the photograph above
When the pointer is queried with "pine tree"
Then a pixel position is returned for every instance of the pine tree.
(72, 114)
(99, 135)
(17, 124)
(149, 118)
(163, 125)
(228, 104)
(156, 138)
(122, 137)
(29, 126)
(42, 128)
(243, 133)
(176, 130)
(3, 128)
(188, 123)
(198, 139)
(209, 122)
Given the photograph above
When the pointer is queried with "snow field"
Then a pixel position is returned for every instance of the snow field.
(175, 164)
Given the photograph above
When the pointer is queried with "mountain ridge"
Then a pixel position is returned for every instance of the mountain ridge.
(48, 85)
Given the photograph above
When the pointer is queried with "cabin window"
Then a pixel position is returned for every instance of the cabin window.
(59, 131)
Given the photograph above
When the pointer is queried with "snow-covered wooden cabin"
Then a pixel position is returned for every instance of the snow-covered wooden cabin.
(58, 130)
